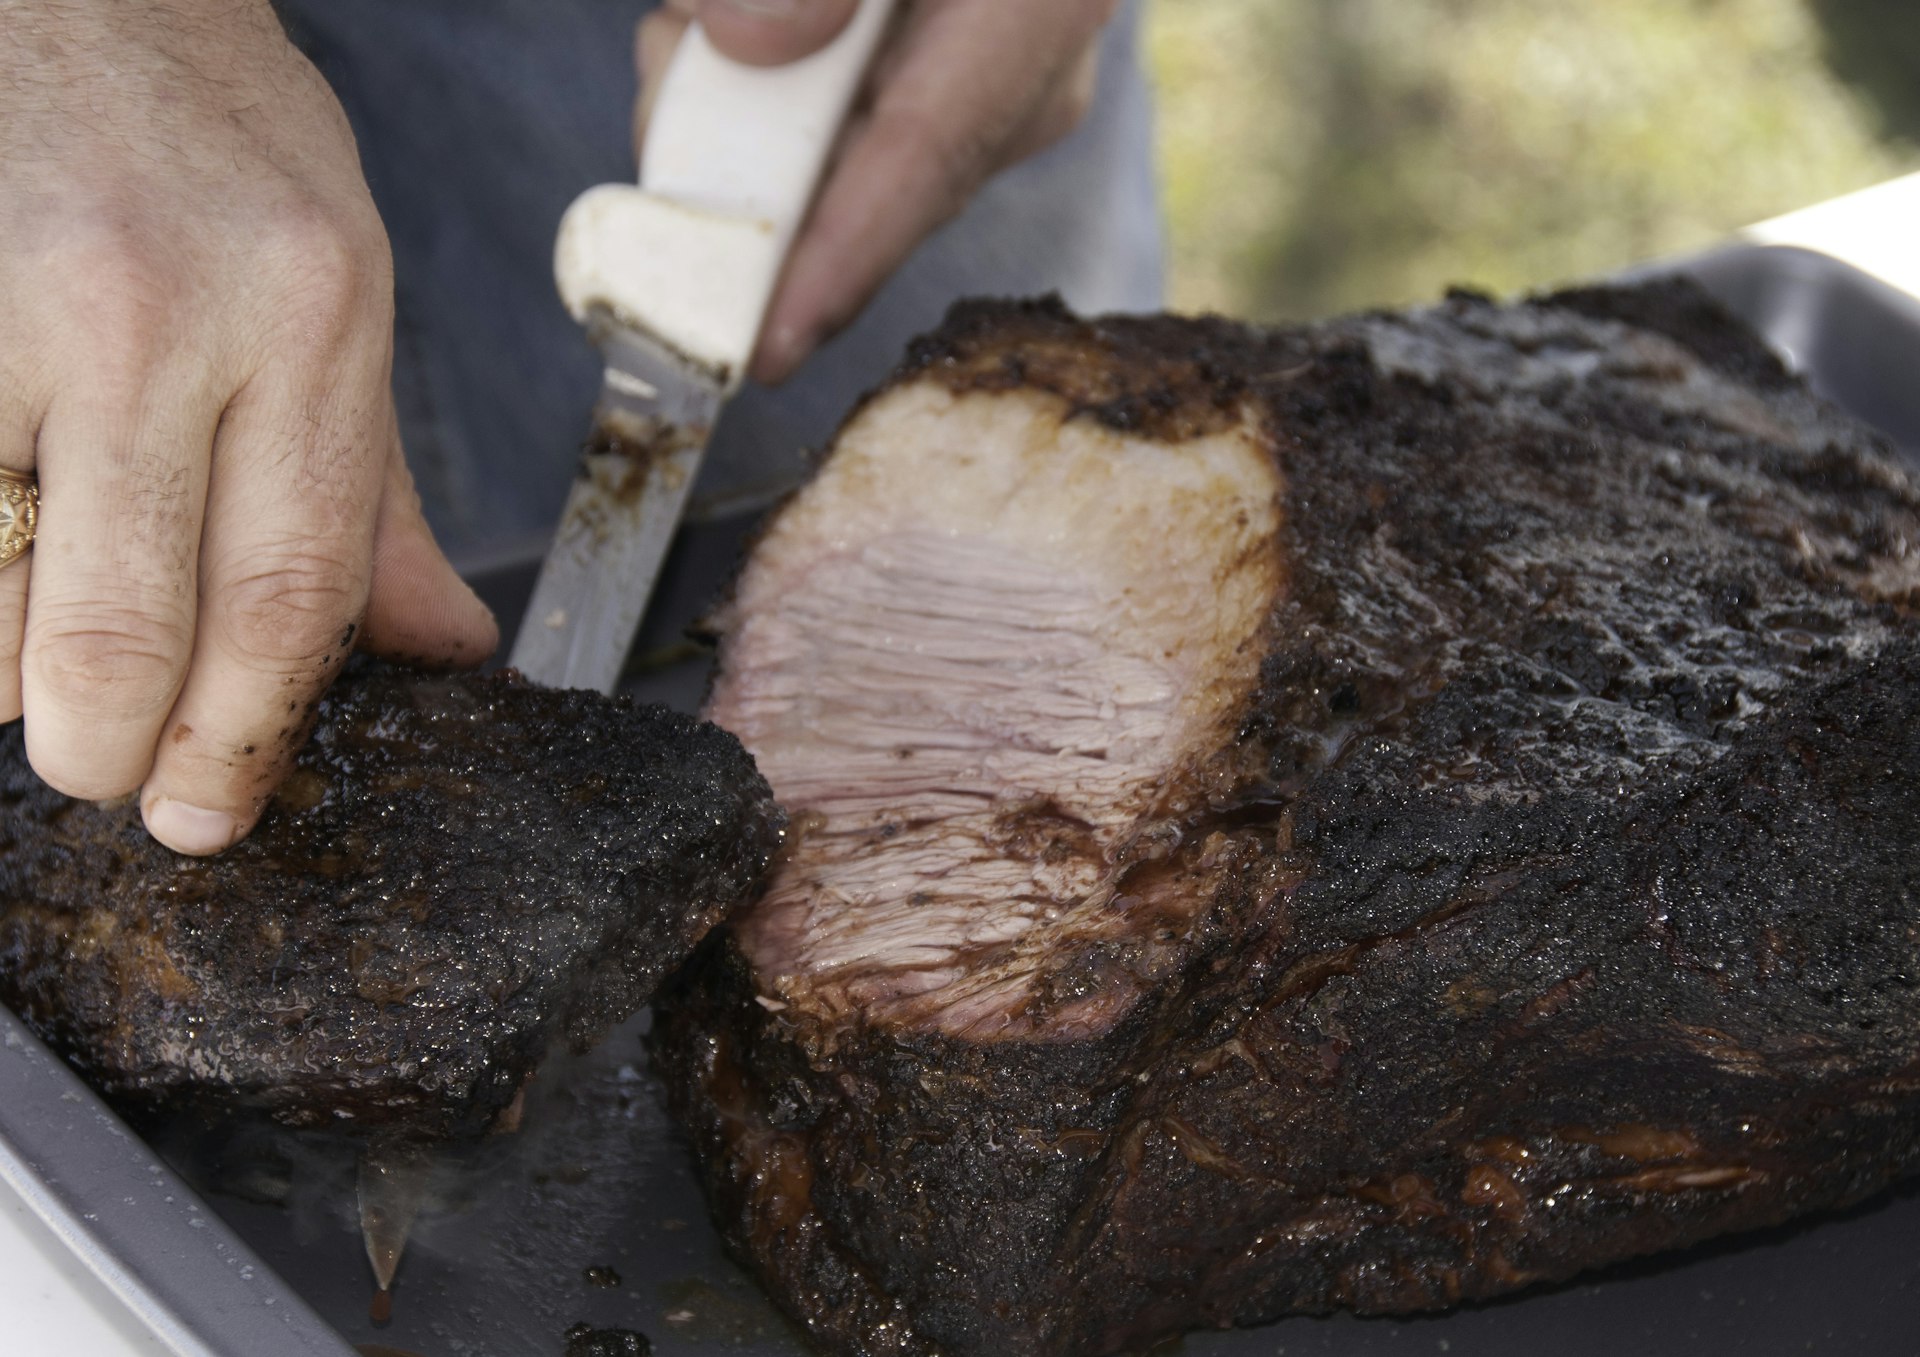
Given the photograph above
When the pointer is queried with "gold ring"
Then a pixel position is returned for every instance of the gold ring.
(19, 514)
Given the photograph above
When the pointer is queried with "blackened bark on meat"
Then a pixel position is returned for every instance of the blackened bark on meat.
(1568, 910)
(460, 871)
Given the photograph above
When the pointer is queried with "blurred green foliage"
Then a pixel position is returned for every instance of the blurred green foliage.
(1320, 155)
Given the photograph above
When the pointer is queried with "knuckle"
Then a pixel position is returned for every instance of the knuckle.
(334, 274)
(291, 607)
(144, 516)
(109, 661)
(122, 288)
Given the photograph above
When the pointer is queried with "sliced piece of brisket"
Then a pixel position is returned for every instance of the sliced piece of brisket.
(459, 871)
(1367, 815)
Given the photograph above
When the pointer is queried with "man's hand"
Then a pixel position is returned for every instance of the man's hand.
(962, 89)
(195, 340)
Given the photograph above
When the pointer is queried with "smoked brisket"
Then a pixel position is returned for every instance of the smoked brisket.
(460, 871)
(1368, 815)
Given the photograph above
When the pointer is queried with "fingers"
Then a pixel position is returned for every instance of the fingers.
(971, 86)
(773, 32)
(13, 625)
(966, 88)
(17, 431)
(654, 41)
(196, 311)
(758, 32)
(419, 611)
(108, 629)
(1061, 109)
(297, 471)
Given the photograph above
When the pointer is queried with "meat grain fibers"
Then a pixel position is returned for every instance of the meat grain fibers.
(1369, 815)
(459, 871)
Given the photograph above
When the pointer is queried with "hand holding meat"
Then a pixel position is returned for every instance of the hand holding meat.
(963, 89)
(195, 342)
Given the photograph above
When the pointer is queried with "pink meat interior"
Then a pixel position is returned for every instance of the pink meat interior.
(979, 658)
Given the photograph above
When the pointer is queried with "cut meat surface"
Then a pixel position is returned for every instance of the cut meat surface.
(1368, 815)
(973, 704)
(459, 872)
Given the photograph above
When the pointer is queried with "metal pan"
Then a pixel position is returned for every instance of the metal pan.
(158, 1247)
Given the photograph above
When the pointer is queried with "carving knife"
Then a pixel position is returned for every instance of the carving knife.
(672, 277)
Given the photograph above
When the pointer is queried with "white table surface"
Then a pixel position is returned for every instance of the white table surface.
(51, 1303)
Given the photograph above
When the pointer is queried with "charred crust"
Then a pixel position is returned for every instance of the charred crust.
(1682, 310)
(458, 872)
(1147, 376)
(1558, 897)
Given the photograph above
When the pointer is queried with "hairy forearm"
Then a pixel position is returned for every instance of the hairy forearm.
(47, 38)
(75, 74)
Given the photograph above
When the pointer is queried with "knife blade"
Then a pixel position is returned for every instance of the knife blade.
(672, 277)
(650, 431)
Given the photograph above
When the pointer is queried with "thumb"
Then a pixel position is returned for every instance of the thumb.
(419, 611)
(773, 32)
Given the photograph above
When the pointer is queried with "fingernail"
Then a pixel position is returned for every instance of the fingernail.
(194, 830)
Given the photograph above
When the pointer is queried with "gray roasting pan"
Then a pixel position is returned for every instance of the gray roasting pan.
(591, 1213)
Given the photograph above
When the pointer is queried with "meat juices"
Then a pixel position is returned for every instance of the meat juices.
(1368, 815)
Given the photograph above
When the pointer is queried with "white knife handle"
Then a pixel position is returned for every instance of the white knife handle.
(728, 170)
(751, 140)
